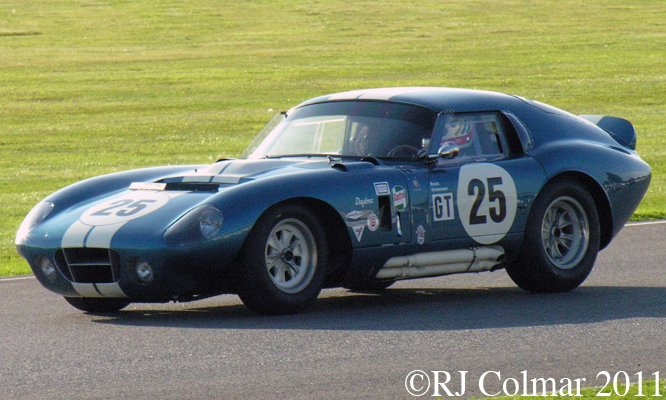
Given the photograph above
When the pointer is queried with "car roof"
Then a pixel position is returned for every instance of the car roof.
(436, 99)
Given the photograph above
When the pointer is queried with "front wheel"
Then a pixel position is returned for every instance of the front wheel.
(284, 262)
(97, 306)
(561, 240)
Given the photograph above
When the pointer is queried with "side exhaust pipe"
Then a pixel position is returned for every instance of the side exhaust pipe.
(442, 263)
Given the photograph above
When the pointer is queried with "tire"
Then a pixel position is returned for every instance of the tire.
(561, 240)
(97, 306)
(284, 262)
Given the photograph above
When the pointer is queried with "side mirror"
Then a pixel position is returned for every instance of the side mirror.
(448, 150)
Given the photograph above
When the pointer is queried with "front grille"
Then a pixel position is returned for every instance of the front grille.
(84, 265)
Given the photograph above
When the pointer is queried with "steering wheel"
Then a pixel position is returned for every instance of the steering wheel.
(403, 151)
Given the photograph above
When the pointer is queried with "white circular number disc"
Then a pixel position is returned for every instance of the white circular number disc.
(129, 206)
(487, 201)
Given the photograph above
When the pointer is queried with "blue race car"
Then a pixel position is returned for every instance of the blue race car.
(357, 190)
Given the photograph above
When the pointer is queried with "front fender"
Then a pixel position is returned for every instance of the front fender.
(345, 190)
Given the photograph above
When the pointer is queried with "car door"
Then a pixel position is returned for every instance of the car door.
(482, 193)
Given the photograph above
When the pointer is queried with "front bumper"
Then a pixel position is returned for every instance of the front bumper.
(177, 273)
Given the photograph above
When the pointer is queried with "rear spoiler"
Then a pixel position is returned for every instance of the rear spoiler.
(620, 129)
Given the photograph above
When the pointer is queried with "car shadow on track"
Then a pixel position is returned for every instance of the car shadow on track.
(422, 310)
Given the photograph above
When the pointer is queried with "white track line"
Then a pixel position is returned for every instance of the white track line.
(646, 223)
(17, 278)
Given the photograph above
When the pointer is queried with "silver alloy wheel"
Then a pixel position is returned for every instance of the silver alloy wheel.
(565, 232)
(291, 255)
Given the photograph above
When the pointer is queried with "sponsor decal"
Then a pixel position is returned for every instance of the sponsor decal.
(442, 207)
(382, 189)
(354, 215)
(487, 201)
(399, 198)
(373, 222)
(417, 185)
(420, 234)
(364, 202)
(358, 231)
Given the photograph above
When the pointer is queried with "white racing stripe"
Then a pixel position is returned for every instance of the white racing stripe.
(110, 290)
(98, 290)
(100, 236)
(86, 289)
(75, 235)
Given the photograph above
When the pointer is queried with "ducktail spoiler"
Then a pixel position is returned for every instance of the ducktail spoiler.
(620, 129)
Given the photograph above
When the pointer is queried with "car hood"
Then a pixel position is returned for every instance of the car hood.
(151, 203)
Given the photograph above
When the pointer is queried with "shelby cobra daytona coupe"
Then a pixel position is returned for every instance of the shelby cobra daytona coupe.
(357, 190)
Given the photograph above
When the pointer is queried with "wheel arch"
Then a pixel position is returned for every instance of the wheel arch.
(601, 202)
(337, 236)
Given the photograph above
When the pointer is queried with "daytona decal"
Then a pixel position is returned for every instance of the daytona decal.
(487, 201)
(364, 202)
(442, 207)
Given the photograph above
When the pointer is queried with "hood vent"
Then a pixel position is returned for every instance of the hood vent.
(193, 186)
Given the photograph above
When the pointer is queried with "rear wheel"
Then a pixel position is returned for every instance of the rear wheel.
(94, 305)
(561, 240)
(284, 262)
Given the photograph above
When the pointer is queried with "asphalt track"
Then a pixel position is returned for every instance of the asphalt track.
(350, 345)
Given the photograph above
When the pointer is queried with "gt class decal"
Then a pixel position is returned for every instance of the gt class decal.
(442, 206)
(127, 207)
(487, 201)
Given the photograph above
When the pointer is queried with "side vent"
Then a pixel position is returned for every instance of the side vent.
(384, 213)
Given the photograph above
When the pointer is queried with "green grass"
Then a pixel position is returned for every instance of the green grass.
(89, 87)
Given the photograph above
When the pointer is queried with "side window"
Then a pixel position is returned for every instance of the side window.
(478, 136)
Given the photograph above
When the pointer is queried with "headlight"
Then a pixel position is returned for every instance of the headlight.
(34, 217)
(210, 222)
(201, 223)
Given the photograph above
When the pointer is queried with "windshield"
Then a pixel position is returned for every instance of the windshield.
(347, 128)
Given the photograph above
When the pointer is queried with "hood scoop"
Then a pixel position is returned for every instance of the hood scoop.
(228, 173)
(176, 186)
